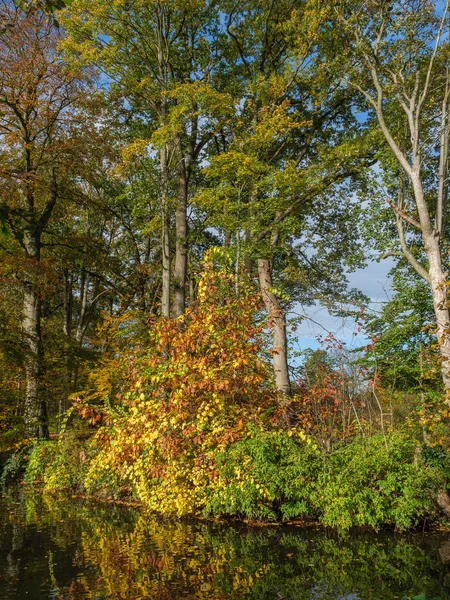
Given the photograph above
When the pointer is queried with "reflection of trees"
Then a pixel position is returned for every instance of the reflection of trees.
(13, 558)
(126, 554)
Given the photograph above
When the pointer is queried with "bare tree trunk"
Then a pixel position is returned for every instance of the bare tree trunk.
(67, 329)
(163, 45)
(247, 255)
(440, 303)
(191, 290)
(84, 291)
(165, 236)
(181, 232)
(68, 303)
(35, 409)
(277, 321)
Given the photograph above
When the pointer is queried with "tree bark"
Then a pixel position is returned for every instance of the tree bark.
(165, 236)
(436, 276)
(181, 232)
(277, 320)
(35, 408)
(440, 303)
(84, 291)
(67, 330)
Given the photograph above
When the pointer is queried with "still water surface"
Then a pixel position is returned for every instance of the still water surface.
(69, 549)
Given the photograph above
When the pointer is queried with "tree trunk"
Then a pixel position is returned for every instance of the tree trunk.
(67, 330)
(165, 236)
(181, 231)
(277, 320)
(84, 291)
(35, 409)
(247, 254)
(191, 290)
(440, 303)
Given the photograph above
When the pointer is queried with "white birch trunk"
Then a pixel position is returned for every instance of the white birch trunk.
(35, 407)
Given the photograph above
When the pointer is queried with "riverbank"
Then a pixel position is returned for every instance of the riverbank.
(375, 482)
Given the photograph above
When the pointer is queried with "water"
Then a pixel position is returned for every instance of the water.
(69, 549)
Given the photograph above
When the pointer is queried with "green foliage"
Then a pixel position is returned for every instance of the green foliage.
(404, 352)
(267, 475)
(11, 429)
(41, 460)
(376, 481)
(438, 458)
(369, 482)
(58, 465)
(14, 466)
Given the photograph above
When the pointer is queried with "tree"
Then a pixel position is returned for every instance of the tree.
(398, 60)
(146, 49)
(38, 136)
(286, 156)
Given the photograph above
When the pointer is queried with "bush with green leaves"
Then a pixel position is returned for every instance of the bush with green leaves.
(64, 465)
(266, 475)
(376, 481)
(59, 465)
(14, 466)
(437, 457)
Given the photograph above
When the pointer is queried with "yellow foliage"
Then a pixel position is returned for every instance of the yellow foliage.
(188, 396)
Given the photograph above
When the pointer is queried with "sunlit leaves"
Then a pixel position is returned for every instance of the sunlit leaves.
(189, 395)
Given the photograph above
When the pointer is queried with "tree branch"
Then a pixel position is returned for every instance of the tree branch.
(403, 215)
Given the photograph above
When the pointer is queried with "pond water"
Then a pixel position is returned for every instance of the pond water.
(70, 549)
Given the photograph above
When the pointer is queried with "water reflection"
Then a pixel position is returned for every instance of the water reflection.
(67, 549)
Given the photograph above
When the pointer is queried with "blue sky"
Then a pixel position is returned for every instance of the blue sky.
(373, 281)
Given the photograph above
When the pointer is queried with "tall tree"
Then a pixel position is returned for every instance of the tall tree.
(398, 60)
(146, 49)
(37, 96)
(292, 143)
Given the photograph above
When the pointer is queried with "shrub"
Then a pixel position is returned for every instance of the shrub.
(437, 457)
(202, 379)
(59, 464)
(267, 475)
(14, 466)
(375, 481)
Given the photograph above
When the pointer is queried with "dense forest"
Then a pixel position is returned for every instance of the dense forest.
(176, 178)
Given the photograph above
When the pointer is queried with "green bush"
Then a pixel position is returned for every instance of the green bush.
(64, 465)
(268, 475)
(58, 465)
(438, 458)
(42, 457)
(369, 482)
(376, 481)
(14, 466)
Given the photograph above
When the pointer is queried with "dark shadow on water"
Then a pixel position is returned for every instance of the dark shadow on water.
(68, 549)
